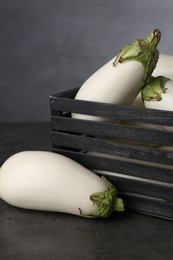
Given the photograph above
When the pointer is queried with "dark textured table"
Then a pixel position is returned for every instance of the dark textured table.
(26, 234)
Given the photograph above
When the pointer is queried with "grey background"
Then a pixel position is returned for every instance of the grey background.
(47, 46)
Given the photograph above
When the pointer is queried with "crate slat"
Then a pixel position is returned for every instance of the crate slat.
(127, 132)
(117, 148)
(148, 206)
(132, 113)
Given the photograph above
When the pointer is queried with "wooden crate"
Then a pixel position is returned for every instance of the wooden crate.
(127, 152)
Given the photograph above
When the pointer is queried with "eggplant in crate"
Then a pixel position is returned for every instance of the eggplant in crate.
(133, 148)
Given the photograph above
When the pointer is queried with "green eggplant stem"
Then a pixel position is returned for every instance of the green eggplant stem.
(144, 51)
(106, 202)
(153, 90)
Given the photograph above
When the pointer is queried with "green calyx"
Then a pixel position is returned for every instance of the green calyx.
(106, 202)
(144, 51)
(153, 90)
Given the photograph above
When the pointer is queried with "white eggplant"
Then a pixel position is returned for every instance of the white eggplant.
(120, 80)
(158, 93)
(47, 181)
(164, 66)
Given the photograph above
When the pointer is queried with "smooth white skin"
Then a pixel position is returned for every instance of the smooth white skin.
(164, 66)
(117, 85)
(47, 181)
(167, 99)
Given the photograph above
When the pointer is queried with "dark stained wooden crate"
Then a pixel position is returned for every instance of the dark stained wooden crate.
(128, 153)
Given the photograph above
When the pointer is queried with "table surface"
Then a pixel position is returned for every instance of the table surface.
(27, 234)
